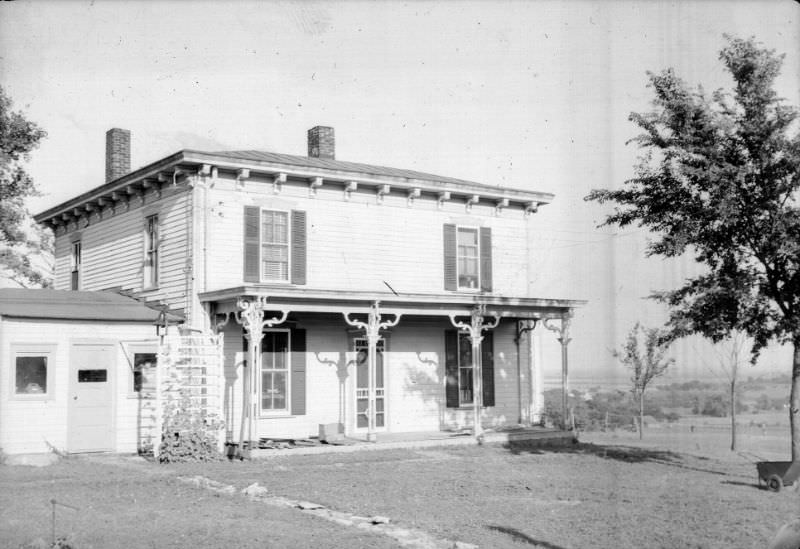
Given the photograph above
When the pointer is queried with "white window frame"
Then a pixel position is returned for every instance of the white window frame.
(131, 351)
(75, 261)
(477, 232)
(461, 338)
(261, 245)
(152, 248)
(269, 412)
(47, 350)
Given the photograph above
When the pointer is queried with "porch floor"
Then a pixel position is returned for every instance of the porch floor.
(426, 439)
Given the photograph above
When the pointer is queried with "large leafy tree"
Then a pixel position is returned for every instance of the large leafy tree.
(719, 179)
(25, 247)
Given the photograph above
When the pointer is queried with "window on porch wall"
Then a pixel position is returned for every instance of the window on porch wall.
(275, 371)
(465, 370)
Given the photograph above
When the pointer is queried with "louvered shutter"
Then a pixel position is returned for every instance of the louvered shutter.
(487, 368)
(252, 230)
(298, 247)
(451, 367)
(298, 383)
(450, 258)
(486, 259)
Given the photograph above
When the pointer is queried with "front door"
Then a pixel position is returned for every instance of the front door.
(90, 413)
(362, 386)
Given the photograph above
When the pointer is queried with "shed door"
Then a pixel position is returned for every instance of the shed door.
(90, 414)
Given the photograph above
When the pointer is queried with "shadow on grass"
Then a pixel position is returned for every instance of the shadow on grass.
(745, 484)
(518, 536)
(627, 454)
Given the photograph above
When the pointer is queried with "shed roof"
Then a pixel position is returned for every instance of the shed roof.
(73, 305)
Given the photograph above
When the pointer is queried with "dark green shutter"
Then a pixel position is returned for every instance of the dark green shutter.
(487, 368)
(451, 367)
(252, 230)
(298, 247)
(298, 349)
(450, 258)
(486, 259)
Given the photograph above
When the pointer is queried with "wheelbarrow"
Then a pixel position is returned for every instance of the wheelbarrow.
(777, 474)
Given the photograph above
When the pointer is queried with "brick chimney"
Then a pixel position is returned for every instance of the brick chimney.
(118, 153)
(321, 143)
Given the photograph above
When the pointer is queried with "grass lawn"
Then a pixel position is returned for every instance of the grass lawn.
(610, 495)
(582, 496)
(121, 504)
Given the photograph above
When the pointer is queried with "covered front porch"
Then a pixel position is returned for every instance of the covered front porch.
(378, 366)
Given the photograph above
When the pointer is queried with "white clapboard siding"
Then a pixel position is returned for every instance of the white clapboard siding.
(112, 248)
(33, 426)
(414, 380)
(358, 244)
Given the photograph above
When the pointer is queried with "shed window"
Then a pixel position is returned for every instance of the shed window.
(144, 365)
(31, 375)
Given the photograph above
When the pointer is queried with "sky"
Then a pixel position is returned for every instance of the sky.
(529, 95)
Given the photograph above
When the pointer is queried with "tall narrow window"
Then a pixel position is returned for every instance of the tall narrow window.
(75, 263)
(274, 245)
(275, 371)
(465, 370)
(151, 252)
(468, 258)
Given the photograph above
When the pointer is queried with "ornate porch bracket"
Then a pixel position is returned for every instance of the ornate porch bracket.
(563, 337)
(474, 328)
(251, 317)
(372, 328)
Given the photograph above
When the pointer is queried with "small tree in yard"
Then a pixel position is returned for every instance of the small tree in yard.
(730, 355)
(21, 239)
(646, 362)
(720, 179)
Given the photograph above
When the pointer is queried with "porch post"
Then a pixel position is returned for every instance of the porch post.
(536, 370)
(372, 329)
(251, 317)
(563, 337)
(474, 328)
(526, 412)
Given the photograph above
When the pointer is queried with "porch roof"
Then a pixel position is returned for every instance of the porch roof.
(296, 299)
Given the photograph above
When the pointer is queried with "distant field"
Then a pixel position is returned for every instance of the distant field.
(763, 435)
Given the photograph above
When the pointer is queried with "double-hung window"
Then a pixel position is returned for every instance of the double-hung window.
(465, 370)
(468, 258)
(275, 371)
(75, 265)
(274, 245)
(151, 243)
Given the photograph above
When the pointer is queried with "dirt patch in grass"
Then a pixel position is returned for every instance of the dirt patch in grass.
(589, 495)
(124, 503)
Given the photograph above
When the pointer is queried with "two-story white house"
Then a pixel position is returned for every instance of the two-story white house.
(373, 298)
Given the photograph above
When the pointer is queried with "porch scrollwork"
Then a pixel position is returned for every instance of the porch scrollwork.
(372, 328)
(476, 326)
(251, 317)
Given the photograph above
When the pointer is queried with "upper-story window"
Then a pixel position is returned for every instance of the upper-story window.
(151, 242)
(467, 258)
(75, 265)
(468, 269)
(274, 245)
